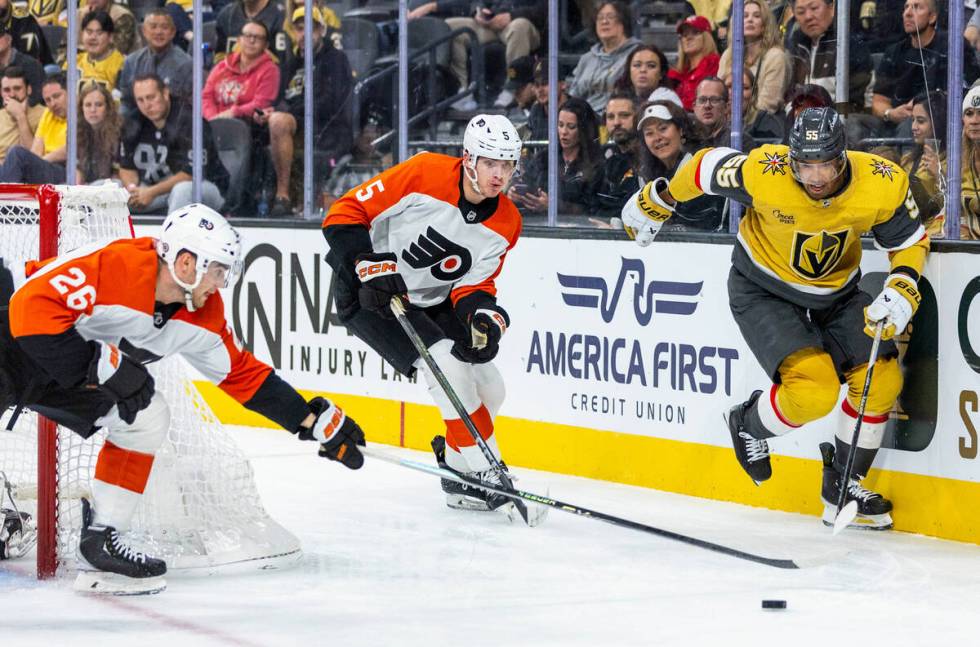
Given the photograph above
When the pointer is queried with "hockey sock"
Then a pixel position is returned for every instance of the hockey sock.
(462, 453)
(766, 418)
(869, 440)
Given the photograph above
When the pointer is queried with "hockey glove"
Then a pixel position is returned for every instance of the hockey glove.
(645, 212)
(123, 379)
(487, 326)
(380, 281)
(895, 305)
(337, 434)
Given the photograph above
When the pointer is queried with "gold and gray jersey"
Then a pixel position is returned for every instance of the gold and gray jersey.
(805, 250)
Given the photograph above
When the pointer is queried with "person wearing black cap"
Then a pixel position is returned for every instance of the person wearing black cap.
(519, 89)
(794, 291)
(10, 56)
(537, 119)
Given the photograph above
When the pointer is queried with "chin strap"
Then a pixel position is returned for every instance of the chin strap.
(186, 287)
(472, 178)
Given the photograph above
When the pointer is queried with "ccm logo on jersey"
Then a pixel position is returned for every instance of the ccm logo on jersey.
(367, 269)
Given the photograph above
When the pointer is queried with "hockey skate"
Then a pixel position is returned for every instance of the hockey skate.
(461, 496)
(752, 453)
(874, 510)
(107, 565)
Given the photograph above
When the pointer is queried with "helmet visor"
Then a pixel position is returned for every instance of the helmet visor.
(818, 173)
(222, 275)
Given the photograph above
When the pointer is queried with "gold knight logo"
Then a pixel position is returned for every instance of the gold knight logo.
(816, 255)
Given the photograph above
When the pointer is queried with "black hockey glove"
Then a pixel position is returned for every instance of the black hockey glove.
(380, 281)
(122, 378)
(487, 325)
(337, 434)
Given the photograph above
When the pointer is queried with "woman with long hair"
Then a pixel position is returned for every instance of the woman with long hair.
(645, 74)
(926, 161)
(697, 58)
(970, 167)
(580, 165)
(764, 55)
(99, 127)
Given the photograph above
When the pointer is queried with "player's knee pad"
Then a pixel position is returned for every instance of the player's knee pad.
(886, 385)
(489, 386)
(148, 430)
(460, 377)
(810, 386)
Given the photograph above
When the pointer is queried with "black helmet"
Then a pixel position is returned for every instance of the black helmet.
(817, 136)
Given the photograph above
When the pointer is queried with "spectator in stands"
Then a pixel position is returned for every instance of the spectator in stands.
(181, 14)
(972, 31)
(813, 52)
(711, 116)
(233, 17)
(925, 162)
(698, 58)
(244, 82)
(518, 24)
(155, 153)
(664, 130)
(99, 128)
(808, 95)
(124, 36)
(645, 75)
(11, 56)
(764, 55)
(761, 125)
(18, 119)
(330, 20)
(361, 165)
(618, 178)
(160, 57)
(581, 164)
(520, 83)
(537, 120)
(600, 67)
(100, 61)
(970, 167)
(44, 162)
(910, 67)
(333, 88)
(25, 32)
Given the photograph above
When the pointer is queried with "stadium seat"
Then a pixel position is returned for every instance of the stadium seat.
(55, 36)
(233, 139)
(360, 38)
(141, 7)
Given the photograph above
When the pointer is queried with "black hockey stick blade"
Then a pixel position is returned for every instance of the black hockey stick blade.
(398, 306)
(570, 508)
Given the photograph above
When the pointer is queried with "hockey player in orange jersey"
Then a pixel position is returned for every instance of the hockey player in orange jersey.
(73, 345)
(436, 229)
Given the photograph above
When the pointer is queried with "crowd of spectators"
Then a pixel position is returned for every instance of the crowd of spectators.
(635, 98)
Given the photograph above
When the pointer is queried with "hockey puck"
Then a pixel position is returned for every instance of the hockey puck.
(774, 604)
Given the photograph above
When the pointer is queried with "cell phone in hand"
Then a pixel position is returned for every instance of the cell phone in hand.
(521, 189)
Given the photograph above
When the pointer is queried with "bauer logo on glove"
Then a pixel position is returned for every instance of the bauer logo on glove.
(646, 211)
(895, 305)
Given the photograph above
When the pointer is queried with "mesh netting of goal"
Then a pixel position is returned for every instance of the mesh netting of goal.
(201, 511)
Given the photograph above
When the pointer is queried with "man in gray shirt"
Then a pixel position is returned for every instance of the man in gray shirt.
(159, 57)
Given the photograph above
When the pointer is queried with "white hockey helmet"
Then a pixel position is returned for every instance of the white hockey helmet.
(493, 137)
(204, 232)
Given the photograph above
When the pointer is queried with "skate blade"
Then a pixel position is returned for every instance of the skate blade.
(103, 583)
(859, 521)
(461, 502)
(536, 514)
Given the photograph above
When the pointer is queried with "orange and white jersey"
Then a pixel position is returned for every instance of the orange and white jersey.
(445, 246)
(106, 292)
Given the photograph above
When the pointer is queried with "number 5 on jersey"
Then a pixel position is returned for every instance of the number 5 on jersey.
(79, 298)
(367, 192)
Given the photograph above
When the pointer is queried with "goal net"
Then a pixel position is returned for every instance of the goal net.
(201, 510)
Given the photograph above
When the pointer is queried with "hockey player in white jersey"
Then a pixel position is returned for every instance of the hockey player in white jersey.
(73, 345)
(436, 229)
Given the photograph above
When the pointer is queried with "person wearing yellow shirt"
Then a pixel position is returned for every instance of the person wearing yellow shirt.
(44, 162)
(101, 62)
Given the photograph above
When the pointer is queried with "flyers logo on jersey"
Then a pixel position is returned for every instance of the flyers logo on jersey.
(448, 261)
(816, 255)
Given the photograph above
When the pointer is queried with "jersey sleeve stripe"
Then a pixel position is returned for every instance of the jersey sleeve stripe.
(917, 235)
(709, 164)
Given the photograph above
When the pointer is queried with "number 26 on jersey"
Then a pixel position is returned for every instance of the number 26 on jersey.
(73, 284)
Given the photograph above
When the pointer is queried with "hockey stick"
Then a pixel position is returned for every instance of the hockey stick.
(593, 514)
(846, 514)
(398, 308)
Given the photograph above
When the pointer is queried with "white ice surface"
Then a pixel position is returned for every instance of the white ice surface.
(387, 564)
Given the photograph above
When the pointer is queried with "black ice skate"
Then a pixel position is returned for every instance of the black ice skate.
(874, 510)
(108, 565)
(752, 453)
(461, 496)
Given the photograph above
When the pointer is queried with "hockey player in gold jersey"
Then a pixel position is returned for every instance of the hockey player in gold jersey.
(793, 288)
